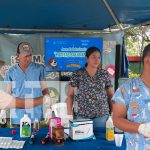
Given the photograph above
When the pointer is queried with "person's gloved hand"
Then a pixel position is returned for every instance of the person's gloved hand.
(5, 99)
(3, 116)
(47, 101)
(144, 129)
(48, 114)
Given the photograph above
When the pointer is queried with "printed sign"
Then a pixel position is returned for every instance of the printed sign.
(68, 54)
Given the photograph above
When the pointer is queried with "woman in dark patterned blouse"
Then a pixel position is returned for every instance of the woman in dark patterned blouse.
(90, 91)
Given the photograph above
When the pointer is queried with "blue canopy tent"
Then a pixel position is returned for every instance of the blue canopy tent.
(45, 16)
(22, 16)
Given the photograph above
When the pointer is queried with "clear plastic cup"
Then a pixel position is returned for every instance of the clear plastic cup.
(118, 139)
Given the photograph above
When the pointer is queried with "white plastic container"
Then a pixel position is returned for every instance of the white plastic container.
(25, 126)
(109, 129)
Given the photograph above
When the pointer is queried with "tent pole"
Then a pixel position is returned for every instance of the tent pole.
(52, 30)
(127, 28)
(112, 14)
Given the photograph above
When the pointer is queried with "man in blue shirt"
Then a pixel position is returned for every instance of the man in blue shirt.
(26, 80)
(131, 108)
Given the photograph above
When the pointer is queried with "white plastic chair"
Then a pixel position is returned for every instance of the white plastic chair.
(60, 110)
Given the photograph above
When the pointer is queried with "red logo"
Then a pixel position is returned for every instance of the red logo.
(111, 70)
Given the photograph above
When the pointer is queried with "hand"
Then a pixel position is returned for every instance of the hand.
(47, 101)
(5, 99)
(144, 129)
(2, 117)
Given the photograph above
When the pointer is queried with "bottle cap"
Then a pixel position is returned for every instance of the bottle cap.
(25, 115)
(36, 120)
(13, 132)
(43, 142)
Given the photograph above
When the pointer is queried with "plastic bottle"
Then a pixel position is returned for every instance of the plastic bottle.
(46, 139)
(36, 126)
(109, 129)
(32, 138)
(25, 126)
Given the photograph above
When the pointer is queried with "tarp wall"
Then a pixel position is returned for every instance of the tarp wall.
(9, 42)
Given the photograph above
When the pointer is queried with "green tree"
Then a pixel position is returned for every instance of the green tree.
(136, 38)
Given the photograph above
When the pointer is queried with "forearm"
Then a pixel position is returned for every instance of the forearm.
(120, 119)
(36, 102)
(126, 125)
(110, 94)
(44, 87)
(69, 105)
(25, 103)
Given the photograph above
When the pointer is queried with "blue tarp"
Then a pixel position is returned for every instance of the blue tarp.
(125, 63)
(70, 14)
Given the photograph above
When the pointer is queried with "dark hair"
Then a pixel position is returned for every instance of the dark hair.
(90, 51)
(146, 52)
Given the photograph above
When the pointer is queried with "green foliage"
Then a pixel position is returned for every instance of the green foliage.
(136, 38)
(132, 74)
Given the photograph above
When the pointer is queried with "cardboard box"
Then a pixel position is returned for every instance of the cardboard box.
(81, 129)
